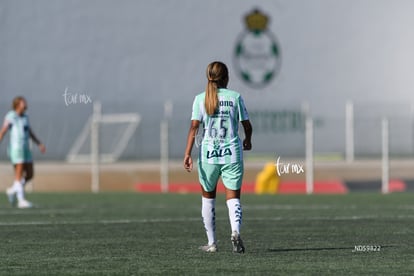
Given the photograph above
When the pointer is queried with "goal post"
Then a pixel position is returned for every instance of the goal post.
(91, 136)
(164, 146)
(385, 167)
(309, 144)
(96, 117)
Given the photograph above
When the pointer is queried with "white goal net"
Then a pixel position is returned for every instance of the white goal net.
(113, 133)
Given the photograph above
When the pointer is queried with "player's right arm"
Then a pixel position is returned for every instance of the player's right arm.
(4, 129)
(248, 129)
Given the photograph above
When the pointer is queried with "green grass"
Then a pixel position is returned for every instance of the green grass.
(135, 234)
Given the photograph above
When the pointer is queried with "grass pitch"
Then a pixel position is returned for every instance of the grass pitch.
(137, 234)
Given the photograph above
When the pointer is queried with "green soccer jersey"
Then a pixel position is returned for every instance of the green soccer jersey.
(221, 143)
(19, 130)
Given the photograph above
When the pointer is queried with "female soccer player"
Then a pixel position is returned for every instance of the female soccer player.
(219, 110)
(19, 151)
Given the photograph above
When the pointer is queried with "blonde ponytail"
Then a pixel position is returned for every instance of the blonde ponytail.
(211, 100)
(218, 77)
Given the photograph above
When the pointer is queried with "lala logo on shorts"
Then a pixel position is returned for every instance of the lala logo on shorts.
(257, 54)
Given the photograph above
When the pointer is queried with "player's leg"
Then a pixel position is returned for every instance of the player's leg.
(232, 175)
(28, 173)
(208, 176)
(235, 209)
(16, 157)
(26, 177)
(23, 169)
(17, 187)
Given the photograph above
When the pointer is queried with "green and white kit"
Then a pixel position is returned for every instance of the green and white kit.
(19, 148)
(221, 149)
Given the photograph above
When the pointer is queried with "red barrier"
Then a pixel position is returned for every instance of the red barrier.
(329, 187)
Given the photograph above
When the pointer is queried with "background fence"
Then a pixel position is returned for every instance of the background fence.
(277, 131)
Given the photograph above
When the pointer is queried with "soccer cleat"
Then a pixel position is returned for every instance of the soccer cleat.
(237, 242)
(209, 248)
(11, 196)
(24, 204)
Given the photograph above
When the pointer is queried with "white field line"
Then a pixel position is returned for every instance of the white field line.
(264, 207)
(320, 207)
(116, 221)
(16, 212)
(295, 207)
(196, 219)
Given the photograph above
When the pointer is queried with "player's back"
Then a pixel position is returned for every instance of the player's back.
(221, 143)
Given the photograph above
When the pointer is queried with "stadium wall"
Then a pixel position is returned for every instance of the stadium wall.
(134, 55)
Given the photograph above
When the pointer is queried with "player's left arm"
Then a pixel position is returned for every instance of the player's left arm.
(42, 147)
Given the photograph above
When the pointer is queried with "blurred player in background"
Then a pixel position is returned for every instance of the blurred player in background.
(17, 122)
(219, 110)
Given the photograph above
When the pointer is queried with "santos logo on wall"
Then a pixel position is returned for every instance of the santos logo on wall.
(257, 53)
